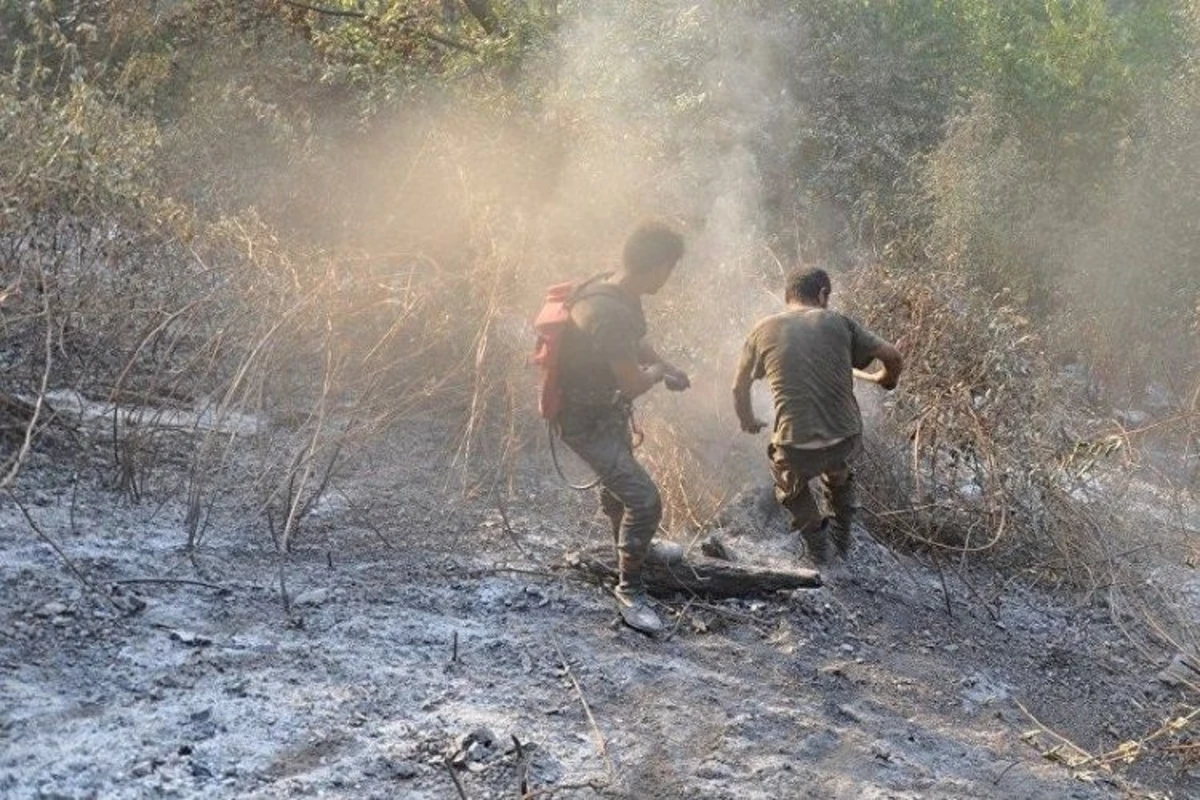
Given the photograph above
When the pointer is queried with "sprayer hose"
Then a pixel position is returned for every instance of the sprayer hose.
(558, 468)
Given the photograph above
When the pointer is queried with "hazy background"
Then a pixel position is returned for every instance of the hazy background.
(248, 247)
(336, 216)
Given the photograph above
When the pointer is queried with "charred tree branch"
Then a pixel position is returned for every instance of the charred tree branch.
(446, 40)
(699, 576)
(331, 12)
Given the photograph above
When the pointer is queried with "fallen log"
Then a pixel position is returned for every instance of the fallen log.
(697, 575)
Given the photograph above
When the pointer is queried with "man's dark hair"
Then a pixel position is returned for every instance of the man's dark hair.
(806, 283)
(652, 244)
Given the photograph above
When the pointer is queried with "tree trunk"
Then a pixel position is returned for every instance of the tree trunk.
(701, 575)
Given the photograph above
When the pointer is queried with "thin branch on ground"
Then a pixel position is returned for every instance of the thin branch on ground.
(597, 737)
(360, 515)
(331, 12)
(1082, 756)
(522, 767)
(449, 762)
(63, 556)
(502, 507)
(180, 581)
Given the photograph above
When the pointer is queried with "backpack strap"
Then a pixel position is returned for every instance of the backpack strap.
(590, 286)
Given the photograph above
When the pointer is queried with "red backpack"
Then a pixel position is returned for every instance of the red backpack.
(549, 325)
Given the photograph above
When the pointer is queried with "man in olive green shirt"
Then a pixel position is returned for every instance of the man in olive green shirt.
(809, 357)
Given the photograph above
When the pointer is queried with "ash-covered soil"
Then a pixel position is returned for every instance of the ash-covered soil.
(431, 641)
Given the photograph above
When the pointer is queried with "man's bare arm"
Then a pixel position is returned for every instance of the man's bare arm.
(893, 365)
(634, 380)
(741, 399)
(675, 378)
(647, 354)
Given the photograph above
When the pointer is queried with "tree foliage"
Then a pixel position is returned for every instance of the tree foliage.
(1037, 148)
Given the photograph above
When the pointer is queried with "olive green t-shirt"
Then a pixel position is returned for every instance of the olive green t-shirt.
(807, 357)
(608, 325)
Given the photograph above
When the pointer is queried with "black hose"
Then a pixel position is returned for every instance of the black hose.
(558, 468)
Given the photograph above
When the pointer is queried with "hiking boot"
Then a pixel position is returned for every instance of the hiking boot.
(842, 539)
(817, 544)
(663, 551)
(636, 612)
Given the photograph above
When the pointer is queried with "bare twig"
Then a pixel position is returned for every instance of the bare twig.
(448, 41)
(597, 736)
(59, 552)
(331, 12)
(937, 564)
(180, 581)
(361, 515)
(502, 507)
(522, 768)
(1081, 756)
(679, 620)
(1130, 750)
(449, 762)
(500, 570)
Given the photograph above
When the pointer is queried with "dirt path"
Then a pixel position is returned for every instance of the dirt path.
(449, 643)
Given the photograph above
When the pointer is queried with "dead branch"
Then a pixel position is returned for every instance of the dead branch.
(1081, 756)
(522, 767)
(597, 736)
(59, 552)
(699, 576)
(180, 581)
(446, 40)
(331, 12)
(1130, 750)
(449, 762)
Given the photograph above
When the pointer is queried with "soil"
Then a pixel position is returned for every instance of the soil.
(432, 649)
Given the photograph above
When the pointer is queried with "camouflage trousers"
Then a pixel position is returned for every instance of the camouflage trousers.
(600, 436)
(793, 468)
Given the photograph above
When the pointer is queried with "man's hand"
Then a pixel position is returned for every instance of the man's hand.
(655, 372)
(676, 380)
(753, 425)
(634, 380)
(881, 378)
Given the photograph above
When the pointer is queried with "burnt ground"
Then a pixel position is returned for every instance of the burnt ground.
(427, 636)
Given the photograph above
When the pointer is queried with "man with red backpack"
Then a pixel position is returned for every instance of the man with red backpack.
(603, 363)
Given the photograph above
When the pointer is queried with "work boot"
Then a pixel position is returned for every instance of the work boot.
(664, 551)
(843, 540)
(817, 544)
(842, 497)
(637, 613)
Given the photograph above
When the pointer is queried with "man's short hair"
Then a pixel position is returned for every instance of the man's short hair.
(806, 283)
(652, 244)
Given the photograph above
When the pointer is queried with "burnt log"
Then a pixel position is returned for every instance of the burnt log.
(697, 575)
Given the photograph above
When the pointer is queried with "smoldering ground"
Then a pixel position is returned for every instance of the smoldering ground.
(452, 218)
